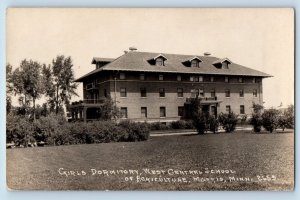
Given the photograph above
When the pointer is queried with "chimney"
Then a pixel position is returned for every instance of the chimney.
(132, 48)
(125, 52)
(207, 54)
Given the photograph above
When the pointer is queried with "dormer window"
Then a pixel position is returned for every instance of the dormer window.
(225, 64)
(194, 63)
(222, 63)
(159, 62)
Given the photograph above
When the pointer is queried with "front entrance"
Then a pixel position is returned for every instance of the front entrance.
(205, 109)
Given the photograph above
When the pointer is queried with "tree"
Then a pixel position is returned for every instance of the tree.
(27, 81)
(9, 87)
(49, 88)
(109, 110)
(199, 119)
(59, 82)
(256, 118)
(213, 124)
(228, 121)
(286, 119)
(270, 119)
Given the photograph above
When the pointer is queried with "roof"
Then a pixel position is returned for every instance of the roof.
(221, 61)
(139, 62)
(98, 59)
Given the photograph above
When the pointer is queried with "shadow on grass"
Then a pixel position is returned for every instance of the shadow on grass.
(274, 132)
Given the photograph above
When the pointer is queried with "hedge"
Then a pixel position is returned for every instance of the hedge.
(54, 130)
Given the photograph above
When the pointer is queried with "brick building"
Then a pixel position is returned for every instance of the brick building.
(158, 86)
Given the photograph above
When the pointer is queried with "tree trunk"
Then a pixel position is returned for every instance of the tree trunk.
(33, 102)
(56, 101)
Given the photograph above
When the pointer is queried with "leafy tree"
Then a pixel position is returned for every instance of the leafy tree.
(109, 110)
(200, 119)
(49, 86)
(59, 82)
(27, 82)
(286, 119)
(256, 118)
(270, 119)
(228, 121)
(200, 122)
(9, 87)
(213, 124)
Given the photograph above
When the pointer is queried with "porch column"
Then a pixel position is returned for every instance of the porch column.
(76, 114)
(84, 114)
(80, 114)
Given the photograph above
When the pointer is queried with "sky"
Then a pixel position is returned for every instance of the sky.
(260, 38)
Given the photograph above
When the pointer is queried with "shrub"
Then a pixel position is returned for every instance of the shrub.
(158, 126)
(286, 120)
(19, 130)
(181, 124)
(256, 117)
(47, 126)
(228, 121)
(54, 130)
(189, 124)
(213, 124)
(200, 121)
(270, 119)
(256, 122)
(135, 131)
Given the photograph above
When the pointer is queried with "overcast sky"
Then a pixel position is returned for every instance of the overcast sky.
(262, 39)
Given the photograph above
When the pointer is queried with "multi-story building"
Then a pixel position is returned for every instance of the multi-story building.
(158, 86)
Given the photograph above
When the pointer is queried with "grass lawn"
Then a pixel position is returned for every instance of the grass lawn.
(249, 155)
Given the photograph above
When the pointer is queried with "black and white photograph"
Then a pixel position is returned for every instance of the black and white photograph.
(150, 99)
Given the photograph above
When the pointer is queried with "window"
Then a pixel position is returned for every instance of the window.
(201, 92)
(196, 78)
(254, 80)
(227, 93)
(194, 63)
(142, 77)
(178, 77)
(191, 78)
(194, 93)
(89, 86)
(122, 76)
(162, 111)
(255, 93)
(241, 80)
(228, 109)
(143, 92)
(225, 65)
(159, 62)
(242, 109)
(226, 79)
(213, 93)
(180, 111)
(162, 92)
(144, 112)
(123, 92)
(241, 93)
(161, 77)
(212, 79)
(124, 112)
(200, 78)
(179, 92)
